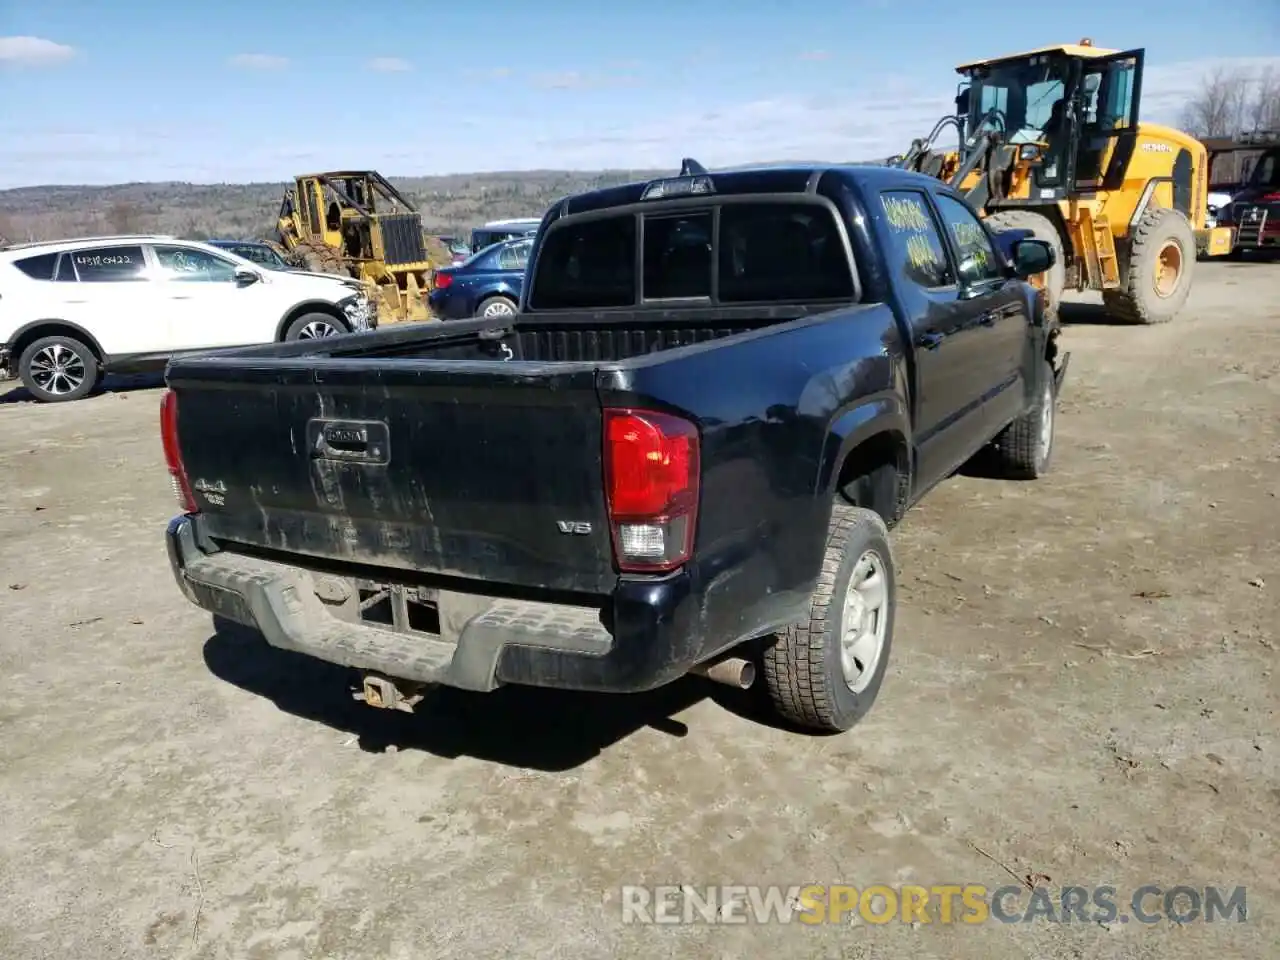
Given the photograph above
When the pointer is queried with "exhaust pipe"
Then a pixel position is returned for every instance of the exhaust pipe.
(733, 672)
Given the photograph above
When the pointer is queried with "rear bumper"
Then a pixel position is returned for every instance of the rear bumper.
(646, 636)
(444, 305)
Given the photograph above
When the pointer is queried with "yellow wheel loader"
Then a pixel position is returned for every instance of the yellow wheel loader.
(357, 224)
(1050, 141)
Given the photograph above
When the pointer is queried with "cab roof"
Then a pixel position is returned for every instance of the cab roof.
(338, 174)
(1085, 50)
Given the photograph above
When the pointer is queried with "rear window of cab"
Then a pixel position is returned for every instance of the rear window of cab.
(732, 253)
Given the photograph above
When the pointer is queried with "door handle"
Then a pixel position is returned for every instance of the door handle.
(180, 296)
(931, 340)
(987, 319)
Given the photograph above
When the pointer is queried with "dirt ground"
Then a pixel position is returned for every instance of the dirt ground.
(1084, 691)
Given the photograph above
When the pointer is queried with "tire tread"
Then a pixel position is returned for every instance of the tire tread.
(794, 665)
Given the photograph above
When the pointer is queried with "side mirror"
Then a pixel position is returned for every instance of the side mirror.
(962, 103)
(246, 277)
(1031, 257)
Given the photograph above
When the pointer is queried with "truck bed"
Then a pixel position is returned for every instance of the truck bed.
(429, 449)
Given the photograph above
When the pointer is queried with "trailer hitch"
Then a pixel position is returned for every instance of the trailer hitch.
(388, 694)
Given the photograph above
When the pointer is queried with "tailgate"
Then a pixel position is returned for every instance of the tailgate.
(478, 470)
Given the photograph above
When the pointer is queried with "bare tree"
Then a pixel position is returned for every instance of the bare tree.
(1263, 111)
(1232, 101)
(1218, 109)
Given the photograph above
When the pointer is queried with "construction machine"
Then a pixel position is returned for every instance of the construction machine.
(357, 224)
(1050, 141)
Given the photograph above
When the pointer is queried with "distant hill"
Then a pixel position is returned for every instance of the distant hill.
(450, 204)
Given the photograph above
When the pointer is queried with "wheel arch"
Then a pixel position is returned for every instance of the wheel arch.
(308, 306)
(870, 462)
(501, 292)
(52, 327)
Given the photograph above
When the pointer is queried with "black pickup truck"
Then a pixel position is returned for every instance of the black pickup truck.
(719, 393)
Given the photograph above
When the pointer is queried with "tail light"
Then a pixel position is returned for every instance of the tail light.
(651, 468)
(172, 455)
(442, 280)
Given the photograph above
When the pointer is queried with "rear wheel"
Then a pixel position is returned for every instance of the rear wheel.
(493, 307)
(1155, 270)
(1042, 228)
(313, 326)
(56, 369)
(825, 672)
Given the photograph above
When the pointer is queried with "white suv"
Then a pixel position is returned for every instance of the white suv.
(75, 309)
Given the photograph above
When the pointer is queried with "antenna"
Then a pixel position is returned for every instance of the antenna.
(692, 168)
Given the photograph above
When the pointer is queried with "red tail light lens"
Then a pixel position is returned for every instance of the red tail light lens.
(443, 280)
(651, 468)
(172, 455)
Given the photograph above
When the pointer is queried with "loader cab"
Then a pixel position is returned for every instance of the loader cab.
(1067, 116)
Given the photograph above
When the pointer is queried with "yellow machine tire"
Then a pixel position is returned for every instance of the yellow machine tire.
(1156, 269)
(1041, 228)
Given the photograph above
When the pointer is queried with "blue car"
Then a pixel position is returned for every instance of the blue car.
(255, 250)
(486, 284)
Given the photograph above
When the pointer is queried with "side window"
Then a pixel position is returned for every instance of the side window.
(255, 254)
(585, 265)
(514, 257)
(780, 252)
(1109, 94)
(977, 257)
(109, 264)
(39, 267)
(66, 270)
(677, 256)
(1267, 172)
(914, 240)
(190, 264)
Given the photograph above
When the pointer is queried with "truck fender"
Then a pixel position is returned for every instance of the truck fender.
(881, 414)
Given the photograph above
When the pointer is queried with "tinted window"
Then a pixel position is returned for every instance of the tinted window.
(514, 257)
(977, 257)
(187, 263)
(677, 256)
(781, 252)
(1267, 173)
(263, 255)
(109, 264)
(39, 267)
(591, 263)
(66, 270)
(914, 241)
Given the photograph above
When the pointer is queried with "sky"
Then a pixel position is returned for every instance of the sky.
(238, 91)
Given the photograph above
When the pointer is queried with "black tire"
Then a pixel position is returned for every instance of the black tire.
(497, 302)
(802, 667)
(1139, 299)
(298, 330)
(1024, 449)
(79, 371)
(1042, 228)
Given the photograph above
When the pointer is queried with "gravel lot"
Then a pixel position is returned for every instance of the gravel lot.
(1084, 692)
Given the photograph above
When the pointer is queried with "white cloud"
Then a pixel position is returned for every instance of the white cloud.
(563, 80)
(33, 51)
(840, 125)
(389, 65)
(259, 61)
(858, 124)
